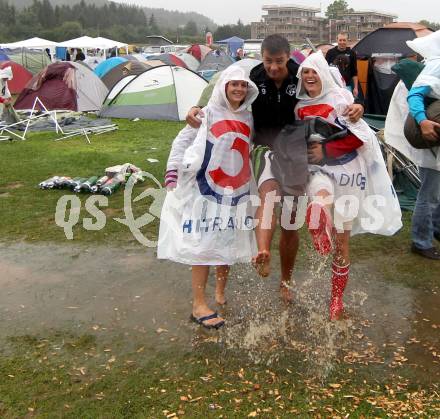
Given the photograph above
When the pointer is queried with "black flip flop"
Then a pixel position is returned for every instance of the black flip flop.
(200, 320)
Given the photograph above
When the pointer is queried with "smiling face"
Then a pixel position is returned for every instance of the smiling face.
(236, 91)
(276, 65)
(311, 82)
(342, 42)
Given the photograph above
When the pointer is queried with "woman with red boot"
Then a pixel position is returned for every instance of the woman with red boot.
(348, 194)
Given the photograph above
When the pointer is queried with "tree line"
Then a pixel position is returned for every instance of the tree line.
(122, 22)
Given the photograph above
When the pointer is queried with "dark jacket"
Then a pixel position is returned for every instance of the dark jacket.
(345, 60)
(273, 108)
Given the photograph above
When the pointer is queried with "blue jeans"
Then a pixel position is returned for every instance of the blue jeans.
(426, 216)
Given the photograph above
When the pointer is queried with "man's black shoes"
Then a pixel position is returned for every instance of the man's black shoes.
(431, 253)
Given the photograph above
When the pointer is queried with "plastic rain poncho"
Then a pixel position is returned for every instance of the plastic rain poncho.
(208, 218)
(429, 48)
(364, 176)
(5, 74)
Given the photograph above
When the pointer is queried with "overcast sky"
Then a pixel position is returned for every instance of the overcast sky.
(229, 11)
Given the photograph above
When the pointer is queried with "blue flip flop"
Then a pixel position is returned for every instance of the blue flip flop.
(200, 320)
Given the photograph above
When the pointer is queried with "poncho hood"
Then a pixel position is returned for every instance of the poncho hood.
(317, 62)
(231, 73)
(6, 73)
(427, 46)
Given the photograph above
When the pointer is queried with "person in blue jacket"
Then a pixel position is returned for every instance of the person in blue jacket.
(426, 216)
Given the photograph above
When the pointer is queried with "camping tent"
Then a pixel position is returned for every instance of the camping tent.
(21, 76)
(214, 62)
(169, 59)
(109, 44)
(233, 43)
(3, 55)
(190, 61)
(103, 68)
(377, 53)
(33, 43)
(198, 51)
(83, 42)
(32, 60)
(165, 92)
(64, 85)
(123, 70)
(390, 39)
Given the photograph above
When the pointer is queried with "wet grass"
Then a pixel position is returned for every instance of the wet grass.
(62, 374)
(77, 376)
(29, 212)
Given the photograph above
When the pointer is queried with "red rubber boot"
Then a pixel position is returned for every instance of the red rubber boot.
(320, 227)
(339, 282)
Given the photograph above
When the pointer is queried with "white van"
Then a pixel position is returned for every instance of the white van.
(252, 46)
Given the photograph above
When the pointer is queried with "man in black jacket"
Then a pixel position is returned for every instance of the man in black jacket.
(345, 59)
(274, 107)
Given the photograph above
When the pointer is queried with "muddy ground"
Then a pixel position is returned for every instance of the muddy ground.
(127, 295)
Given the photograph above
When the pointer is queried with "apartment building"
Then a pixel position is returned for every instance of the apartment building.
(293, 22)
(358, 24)
(299, 22)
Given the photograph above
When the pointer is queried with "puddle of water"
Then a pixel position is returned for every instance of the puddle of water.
(110, 291)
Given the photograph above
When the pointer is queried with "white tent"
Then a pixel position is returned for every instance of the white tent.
(109, 43)
(81, 42)
(87, 42)
(32, 43)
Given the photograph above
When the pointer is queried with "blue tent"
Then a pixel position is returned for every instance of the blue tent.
(103, 68)
(233, 43)
(3, 55)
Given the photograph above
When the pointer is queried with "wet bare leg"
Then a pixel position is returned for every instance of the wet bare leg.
(288, 248)
(269, 194)
(320, 223)
(222, 273)
(342, 254)
(341, 269)
(200, 307)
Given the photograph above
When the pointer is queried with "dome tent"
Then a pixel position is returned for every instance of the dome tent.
(376, 54)
(190, 61)
(163, 93)
(64, 85)
(198, 51)
(21, 76)
(104, 67)
(122, 70)
(214, 62)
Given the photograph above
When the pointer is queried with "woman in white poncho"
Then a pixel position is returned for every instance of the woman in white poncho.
(205, 218)
(356, 185)
(5, 94)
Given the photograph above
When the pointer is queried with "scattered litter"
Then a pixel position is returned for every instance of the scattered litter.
(110, 182)
(152, 160)
(136, 119)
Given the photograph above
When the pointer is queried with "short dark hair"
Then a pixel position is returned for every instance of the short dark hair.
(275, 44)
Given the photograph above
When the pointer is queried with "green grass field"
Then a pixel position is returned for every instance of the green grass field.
(63, 374)
(30, 212)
